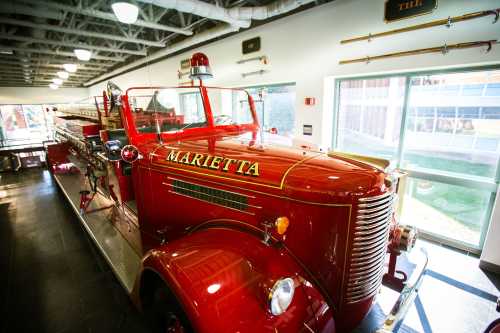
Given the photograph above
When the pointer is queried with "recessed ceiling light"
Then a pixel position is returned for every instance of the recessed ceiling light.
(57, 81)
(125, 12)
(53, 86)
(70, 68)
(82, 54)
(63, 74)
(6, 51)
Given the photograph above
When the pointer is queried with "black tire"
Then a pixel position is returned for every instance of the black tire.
(164, 314)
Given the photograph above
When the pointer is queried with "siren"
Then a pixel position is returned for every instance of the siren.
(200, 67)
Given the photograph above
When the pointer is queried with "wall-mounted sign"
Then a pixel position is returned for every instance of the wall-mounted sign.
(401, 9)
(250, 45)
(186, 63)
(308, 130)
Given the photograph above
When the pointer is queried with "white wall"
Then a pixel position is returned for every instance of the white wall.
(21, 95)
(491, 250)
(304, 48)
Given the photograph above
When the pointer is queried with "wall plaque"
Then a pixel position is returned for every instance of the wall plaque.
(186, 63)
(402, 9)
(250, 45)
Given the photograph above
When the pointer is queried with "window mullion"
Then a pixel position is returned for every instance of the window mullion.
(404, 117)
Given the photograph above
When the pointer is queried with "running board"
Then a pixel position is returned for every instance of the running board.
(115, 248)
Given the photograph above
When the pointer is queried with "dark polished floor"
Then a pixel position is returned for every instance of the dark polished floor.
(52, 277)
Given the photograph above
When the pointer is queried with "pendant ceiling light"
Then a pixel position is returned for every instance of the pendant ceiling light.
(57, 81)
(53, 86)
(71, 68)
(125, 12)
(63, 74)
(82, 54)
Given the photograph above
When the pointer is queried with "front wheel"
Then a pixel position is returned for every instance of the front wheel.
(164, 313)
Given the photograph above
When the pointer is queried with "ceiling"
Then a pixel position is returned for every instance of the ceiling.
(38, 36)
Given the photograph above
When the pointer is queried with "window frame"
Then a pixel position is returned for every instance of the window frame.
(482, 183)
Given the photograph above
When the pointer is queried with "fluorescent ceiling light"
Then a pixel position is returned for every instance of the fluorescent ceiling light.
(53, 86)
(57, 81)
(6, 51)
(125, 12)
(71, 68)
(82, 54)
(63, 75)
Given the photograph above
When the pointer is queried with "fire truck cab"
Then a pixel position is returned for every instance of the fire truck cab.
(212, 229)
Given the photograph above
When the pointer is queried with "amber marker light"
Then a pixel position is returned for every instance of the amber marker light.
(282, 224)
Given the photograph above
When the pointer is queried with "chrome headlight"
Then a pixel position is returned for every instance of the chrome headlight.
(281, 296)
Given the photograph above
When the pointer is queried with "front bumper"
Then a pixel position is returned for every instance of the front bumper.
(406, 297)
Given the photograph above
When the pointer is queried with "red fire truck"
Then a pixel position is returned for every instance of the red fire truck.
(212, 229)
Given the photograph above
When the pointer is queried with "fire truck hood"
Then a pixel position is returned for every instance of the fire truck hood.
(243, 163)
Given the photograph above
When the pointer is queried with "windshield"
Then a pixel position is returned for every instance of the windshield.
(176, 109)
(230, 106)
(167, 110)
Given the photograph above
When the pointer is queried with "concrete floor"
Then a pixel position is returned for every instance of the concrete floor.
(54, 280)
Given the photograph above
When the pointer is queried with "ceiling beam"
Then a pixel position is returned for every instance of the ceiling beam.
(106, 16)
(51, 52)
(42, 26)
(7, 7)
(37, 79)
(7, 70)
(74, 45)
(56, 60)
(35, 66)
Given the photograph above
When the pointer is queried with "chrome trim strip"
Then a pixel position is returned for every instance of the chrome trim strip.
(365, 280)
(369, 239)
(211, 196)
(374, 215)
(377, 203)
(377, 197)
(211, 203)
(366, 249)
(356, 262)
(197, 184)
(377, 208)
(364, 229)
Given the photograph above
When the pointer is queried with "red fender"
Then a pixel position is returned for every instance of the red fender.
(222, 278)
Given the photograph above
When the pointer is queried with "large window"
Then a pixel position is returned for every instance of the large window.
(370, 116)
(275, 106)
(444, 131)
(24, 124)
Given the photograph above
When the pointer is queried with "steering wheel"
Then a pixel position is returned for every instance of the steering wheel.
(223, 119)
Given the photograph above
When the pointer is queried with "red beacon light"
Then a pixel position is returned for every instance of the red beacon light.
(200, 67)
(130, 154)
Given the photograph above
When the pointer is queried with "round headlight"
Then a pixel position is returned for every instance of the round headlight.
(281, 296)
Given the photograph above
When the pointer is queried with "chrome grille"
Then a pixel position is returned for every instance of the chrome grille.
(371, 232)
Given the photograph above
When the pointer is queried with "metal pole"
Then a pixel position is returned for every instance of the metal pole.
(438, 49)
(447, 22)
